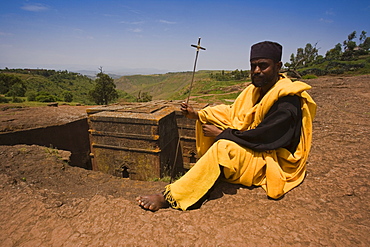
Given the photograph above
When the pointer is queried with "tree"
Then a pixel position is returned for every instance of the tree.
(31, 95)
(352, 36)
(304, 57)
(144, 97)
(335, 53)
(362, 37)
(310, 53)
(17, 89)
(104, 91)
(366, 44)
(68, 96)
(364, 41)
(45, 97)
(12, 85)
(349, 44)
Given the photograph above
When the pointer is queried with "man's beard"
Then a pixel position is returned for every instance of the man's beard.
(260, 81)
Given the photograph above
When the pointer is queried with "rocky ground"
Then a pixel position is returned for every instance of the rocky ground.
(21, 118)
(45, 202)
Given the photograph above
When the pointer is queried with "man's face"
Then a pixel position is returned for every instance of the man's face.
(264, 72)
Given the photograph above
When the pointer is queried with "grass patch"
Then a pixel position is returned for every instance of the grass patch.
(166, 179)
(309, 76)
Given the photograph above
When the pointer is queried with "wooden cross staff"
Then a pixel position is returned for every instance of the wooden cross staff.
(187, 101)
(195, 65)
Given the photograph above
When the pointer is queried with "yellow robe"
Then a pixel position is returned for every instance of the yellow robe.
(277, 171)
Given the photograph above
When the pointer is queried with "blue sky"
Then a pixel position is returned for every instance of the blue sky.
(155, 36)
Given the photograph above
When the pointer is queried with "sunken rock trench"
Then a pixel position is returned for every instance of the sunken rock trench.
(133, 140)
(71, 136)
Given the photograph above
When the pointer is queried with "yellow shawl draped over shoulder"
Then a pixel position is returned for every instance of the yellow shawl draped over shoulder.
(282, 170)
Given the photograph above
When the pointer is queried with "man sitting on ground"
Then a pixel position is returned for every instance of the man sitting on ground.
(263, 139)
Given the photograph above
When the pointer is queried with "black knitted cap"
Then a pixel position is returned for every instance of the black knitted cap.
(266, 49)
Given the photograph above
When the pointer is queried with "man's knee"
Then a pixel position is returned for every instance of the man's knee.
(223, 145)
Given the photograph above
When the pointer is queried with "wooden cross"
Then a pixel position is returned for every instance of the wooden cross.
(195, 65)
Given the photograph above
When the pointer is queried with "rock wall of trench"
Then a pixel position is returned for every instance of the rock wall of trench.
(72, 136)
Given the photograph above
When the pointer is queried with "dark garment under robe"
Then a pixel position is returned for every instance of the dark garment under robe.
(281, 128)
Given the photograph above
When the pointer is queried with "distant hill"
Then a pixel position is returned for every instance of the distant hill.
(50, 82)
(160, 86)
(209, 85)
(117, 73)
(174, 85)
(92, 74)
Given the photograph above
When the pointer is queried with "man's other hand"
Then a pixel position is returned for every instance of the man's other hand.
(210, 130)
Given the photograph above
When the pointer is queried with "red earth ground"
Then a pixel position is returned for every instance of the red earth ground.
(46, 202)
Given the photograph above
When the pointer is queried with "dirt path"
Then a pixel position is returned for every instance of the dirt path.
(44, 202)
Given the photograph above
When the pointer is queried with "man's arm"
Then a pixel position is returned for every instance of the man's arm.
(208, 129)
(280, 128)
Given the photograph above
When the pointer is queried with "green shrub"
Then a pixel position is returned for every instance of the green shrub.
(309, 76)
(12, 85)
(68, 96)
(3, 99)
(45, 97)
(31, 95)
(17, 100)
(144, 97)
(313, 71)
(336, 71)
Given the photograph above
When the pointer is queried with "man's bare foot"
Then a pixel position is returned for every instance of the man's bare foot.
(152, 202)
